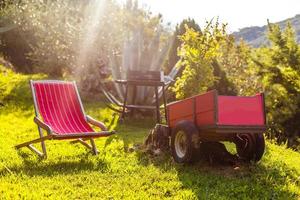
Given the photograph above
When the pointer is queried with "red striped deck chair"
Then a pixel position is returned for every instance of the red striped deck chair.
(60, 113)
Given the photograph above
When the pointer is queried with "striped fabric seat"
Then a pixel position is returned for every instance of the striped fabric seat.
(59, 112)
(59, 106)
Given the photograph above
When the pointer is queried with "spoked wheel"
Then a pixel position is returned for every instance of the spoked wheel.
(180, 144)
(184, 142)
(250, 147)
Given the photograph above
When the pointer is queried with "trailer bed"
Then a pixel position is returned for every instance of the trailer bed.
(215, 114)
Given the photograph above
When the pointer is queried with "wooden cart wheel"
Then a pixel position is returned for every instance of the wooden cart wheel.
(184, 142)
(250, 146)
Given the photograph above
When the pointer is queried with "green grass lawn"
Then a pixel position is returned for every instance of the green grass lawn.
(72, 172)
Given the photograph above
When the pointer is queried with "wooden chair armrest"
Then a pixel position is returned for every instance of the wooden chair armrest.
(96, 123)
(41, 124)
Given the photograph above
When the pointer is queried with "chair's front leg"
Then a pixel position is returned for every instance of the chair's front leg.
(32, 148)
(41, 125)
(43, 145)
(91, 146)
(84, 143)
(95, 151)
(29, 144)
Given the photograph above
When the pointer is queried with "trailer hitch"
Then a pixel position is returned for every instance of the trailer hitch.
(158, 138)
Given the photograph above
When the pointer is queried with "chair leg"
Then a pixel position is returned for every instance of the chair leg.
(44, 149)
(157, 106)
(32, 148)
(40, 154)
(29, 145)
(44, 155)
(124, 103)
(84, 143)
(95, 151)
(33, 141)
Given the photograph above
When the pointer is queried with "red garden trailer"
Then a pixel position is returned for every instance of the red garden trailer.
(211, 117)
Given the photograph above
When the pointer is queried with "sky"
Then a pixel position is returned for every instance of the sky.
(237, 13)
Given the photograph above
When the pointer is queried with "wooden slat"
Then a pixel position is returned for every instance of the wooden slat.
(32, 148)
(141, 82)
(84, 135)
(141, 107)
(34, 141)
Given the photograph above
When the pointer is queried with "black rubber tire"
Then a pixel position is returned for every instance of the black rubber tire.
(255, 148)
(260, 147)
(191, 144)
(245, 150)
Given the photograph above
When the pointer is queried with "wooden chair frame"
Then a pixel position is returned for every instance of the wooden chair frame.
(51, 135)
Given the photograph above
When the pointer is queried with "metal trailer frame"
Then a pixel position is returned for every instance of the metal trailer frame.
(215, 132)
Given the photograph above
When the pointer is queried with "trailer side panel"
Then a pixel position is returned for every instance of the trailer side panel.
(205, 109)
(241, 110)
(181, 110)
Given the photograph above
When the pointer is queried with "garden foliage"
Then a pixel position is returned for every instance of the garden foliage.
(212, 59)
(119, 171)
(51, 35)
(279, 70)
(180, 29)
(202, 57)
(84, 40)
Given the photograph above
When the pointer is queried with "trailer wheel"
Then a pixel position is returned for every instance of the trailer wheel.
(250, 147)
(244, 146)
(184, 142)
(260, 147)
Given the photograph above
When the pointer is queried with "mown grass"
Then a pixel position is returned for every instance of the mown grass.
(72, 172)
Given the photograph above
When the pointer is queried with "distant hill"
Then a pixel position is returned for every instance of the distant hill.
(256, 36)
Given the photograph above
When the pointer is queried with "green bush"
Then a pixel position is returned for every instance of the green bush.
(279, 71)
(212, 59)
(201, 54)
(60, 37)
(180, 29)
(83, 39)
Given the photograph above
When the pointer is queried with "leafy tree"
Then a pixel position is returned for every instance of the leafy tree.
(280, 72)
(52, 35)
(201, 54)
(236, 61)
(173, 57)
(222, 84)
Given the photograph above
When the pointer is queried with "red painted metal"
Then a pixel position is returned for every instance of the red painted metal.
(180, 110)
(205, 108)
(210, 109)
(241, 110)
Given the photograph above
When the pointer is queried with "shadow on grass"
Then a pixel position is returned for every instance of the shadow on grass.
(39, 167)
(131, 131)
(243, 181)
(256, 181)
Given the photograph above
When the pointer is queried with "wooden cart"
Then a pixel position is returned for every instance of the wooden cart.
(213, 117)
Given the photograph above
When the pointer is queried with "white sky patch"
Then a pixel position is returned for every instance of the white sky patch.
(237, 13)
